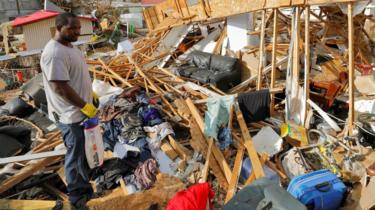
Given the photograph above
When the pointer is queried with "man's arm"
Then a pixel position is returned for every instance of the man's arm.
(63, 89)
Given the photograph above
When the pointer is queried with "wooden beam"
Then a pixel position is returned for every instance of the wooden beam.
(307, 60)
(56, 191)
(61, 173)
(296, 55)
(261, 50)
(207, 164)
(351, 67)
(215, 149)
(26, 172)
(181, 150)
(118, 77)
(235, 174)
(273, 61)
(30, 204)
(255, 162)
(123, 187)
(31, 156)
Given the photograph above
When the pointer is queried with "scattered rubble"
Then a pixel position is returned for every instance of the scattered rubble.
(212, 95)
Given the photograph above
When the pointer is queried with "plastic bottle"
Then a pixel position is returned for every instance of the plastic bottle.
(94, 148)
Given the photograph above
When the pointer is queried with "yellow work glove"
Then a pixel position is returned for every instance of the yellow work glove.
(95, 99)
(89, 110)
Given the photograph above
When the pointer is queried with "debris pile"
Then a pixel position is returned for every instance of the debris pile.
(260, 108)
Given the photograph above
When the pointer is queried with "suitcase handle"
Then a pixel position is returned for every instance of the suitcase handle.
(324, 187)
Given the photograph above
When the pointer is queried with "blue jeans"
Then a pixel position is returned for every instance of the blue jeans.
(76, 167)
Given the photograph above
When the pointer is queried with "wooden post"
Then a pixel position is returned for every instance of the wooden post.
(273, 62)
(235, 174)
(296, 58)
(351, 67)
(207, 164)
(261, 50)
(248, 143)
(307, 60)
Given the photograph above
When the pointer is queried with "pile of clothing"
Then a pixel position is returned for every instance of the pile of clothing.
(128, 120)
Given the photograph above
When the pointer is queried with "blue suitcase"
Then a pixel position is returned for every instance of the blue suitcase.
(321, 190)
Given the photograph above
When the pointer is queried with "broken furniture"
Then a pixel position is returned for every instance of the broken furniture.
(222, 71)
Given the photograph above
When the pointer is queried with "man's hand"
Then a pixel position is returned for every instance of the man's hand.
(89, 110)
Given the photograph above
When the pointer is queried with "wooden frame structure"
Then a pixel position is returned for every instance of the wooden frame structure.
(171, 13)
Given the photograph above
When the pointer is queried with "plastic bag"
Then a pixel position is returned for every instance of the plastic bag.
(94, 148)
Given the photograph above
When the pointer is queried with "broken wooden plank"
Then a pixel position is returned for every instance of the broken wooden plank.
(32, 156)
(181, 150)
(273, 59)
(261, 50)
(118, 77)
(61, 173)
(199, 144)
(30, 204)
(56, 191)
(235, 174)
(207, 164)
(255, 162)
(26, 172)
(351, 67)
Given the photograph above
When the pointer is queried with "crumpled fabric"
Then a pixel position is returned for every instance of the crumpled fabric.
(142, 99)
(112, 130)
(157, 133)
(194, 198)
(112, 170)
(150, 115)
(225, 138)
(217, 114)
(255, 105)
(145, 174)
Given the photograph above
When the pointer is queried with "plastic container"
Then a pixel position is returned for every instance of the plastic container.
(94, 148)
(247, 169)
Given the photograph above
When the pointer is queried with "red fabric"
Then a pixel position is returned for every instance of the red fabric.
(38, 16)
(194, 198)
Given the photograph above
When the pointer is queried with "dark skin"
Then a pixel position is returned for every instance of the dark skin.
(66, 35)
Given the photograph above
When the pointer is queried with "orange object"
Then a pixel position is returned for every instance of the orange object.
(19, 76)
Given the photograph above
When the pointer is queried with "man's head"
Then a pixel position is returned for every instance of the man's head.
(68, 27)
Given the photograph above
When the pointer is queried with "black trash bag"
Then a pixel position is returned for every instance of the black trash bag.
(9, 146)
(18, 107)
(21, 134)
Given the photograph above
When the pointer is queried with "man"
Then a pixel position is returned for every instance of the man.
(69, 94)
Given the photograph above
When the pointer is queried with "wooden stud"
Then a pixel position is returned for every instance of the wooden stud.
(273, 61)
(123, 187)
(115, 74)
(257, 166)
(215, 150)
(235, 174)
(307, 60)
(296, 55)
(261, 50)
(207, 164)
(30, 204)
(61, 173)
(25, 172)
(351, 67)
(56, 191)
(181, 150)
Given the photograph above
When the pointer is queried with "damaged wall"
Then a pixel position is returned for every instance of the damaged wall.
(37, 34)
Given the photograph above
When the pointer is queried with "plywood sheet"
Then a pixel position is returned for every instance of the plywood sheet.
(277, 3)
(223, 8)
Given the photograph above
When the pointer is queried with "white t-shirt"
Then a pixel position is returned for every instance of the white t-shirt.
(62, 63)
